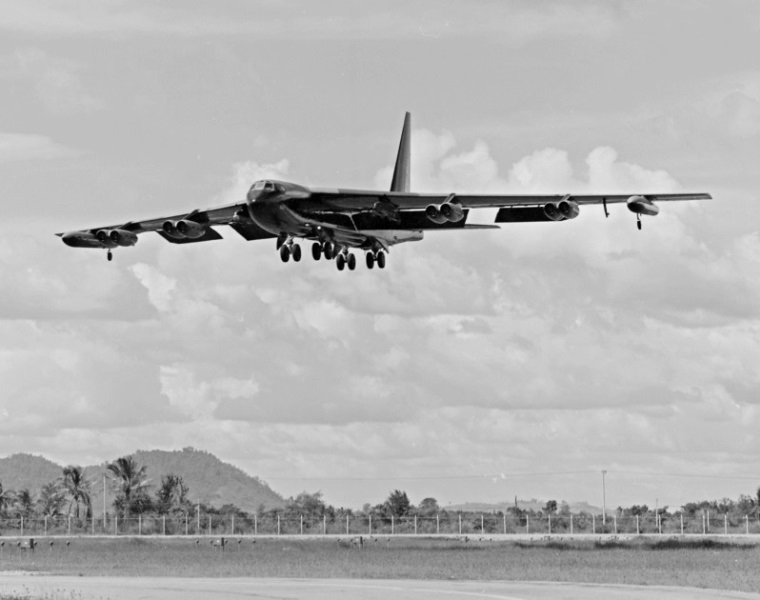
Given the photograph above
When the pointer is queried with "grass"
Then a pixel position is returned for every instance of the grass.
(699, 563)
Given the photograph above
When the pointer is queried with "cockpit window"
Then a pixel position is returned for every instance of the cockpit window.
(266, 186)
(259, 185)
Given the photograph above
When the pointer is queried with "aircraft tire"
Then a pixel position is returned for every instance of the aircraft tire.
(296, 250)
(351, 262)
(340, 262)
(370, 260)
(329, 251)
(285, 253)
(316, 251)
(380, 260)
(109, 256)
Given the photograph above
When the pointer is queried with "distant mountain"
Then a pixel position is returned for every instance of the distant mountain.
(209, 480)
(20, 471)
(532, 504)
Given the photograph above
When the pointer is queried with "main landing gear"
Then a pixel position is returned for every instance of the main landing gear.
(376, 258)
(290, 249)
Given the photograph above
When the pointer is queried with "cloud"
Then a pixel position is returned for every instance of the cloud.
(57, 83)
(29, 146)
(515, 23)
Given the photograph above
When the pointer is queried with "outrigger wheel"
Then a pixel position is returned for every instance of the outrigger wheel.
(109, 255)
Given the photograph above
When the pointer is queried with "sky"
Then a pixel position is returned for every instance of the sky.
(478, 366)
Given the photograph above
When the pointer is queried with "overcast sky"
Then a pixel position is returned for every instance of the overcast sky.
(477, 366)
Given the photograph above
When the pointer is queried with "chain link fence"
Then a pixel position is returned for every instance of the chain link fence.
(441, 524)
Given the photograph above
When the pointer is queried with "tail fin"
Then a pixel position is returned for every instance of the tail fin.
(400, 181)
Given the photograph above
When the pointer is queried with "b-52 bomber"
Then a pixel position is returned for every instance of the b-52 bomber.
(341, 221)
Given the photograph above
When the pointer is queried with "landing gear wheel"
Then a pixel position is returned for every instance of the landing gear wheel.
(296, 251)
(328, 251)
(380, 258)
(109, 256)
(340, 262)
(285, 253)
(638, 222)
(351, 262)
(370, 260)
(316, 251)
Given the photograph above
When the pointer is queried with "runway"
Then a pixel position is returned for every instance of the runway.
(173, 588)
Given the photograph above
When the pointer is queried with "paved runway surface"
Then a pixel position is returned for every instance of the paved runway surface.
(173, 588)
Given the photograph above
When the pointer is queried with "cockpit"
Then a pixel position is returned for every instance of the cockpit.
(263, 188)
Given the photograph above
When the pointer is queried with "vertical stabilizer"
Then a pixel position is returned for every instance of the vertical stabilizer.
(400, 181)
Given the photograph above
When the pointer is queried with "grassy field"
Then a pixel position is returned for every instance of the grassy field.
(698, 563)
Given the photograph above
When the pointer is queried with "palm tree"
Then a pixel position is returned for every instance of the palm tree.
(24, 502)
(78, 488)
(52, 498)
(6, 499)
(131, 483)
(172, 494)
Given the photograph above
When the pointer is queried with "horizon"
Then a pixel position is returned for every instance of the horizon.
(480, 364)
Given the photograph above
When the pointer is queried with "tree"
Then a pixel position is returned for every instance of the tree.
(551, 507)
(52, 499)
(7, 498)
(429, 507)
(78, 488)
(24, 503)
(172, 495)
(398, 503)
(131, 485)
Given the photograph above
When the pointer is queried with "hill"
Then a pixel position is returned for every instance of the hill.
(20, 471)
(210, 480)
(532, 504)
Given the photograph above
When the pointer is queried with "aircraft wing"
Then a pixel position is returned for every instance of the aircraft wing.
(359, 200)
(199, 223)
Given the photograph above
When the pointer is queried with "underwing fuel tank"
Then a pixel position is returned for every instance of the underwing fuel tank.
(642, 205)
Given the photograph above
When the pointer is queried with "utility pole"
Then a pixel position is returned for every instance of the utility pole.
(604, 499)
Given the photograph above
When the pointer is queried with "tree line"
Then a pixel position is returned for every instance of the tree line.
(133, 494)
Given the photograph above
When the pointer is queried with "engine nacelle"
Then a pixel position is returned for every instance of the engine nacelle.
(568, 209)
(433, 213)
(122, 237)
(190, 229)
(452, 211)
(642, 205)
(551, 210)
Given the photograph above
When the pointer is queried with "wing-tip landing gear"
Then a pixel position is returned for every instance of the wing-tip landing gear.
(109, 256)
(638, 221)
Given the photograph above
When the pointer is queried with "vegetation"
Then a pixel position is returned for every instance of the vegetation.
(722, 566)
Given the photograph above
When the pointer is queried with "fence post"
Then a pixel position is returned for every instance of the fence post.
(324, 524)
(347, 527)
(163, 524)
(415, 524)
(571, 524)
(255, 525)
(370, 525)
(704, 527)
(482, 525)
(70, 524)
(92, 518)
(681, 523)
(46, 525)
(638, 528)
(505, 523)
(746, 523)
(278, 524)
(437, 523)
(301, 524)
(614, 522)
(210, 519)
(392, 524)
(460, 523)
(139, 524)
(527, 523)
(116, 525)
(198, 520)
(233, 524)
(708, 520)
(186, 525)
(550, 523)
(22, 525)
(593, 524)
(725, 524)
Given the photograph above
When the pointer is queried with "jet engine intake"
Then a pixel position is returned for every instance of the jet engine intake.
(641, 205)
(190, 229)
(568, 209)
(551, 210)
(122, 237)
(434, 214)
(452, 211)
